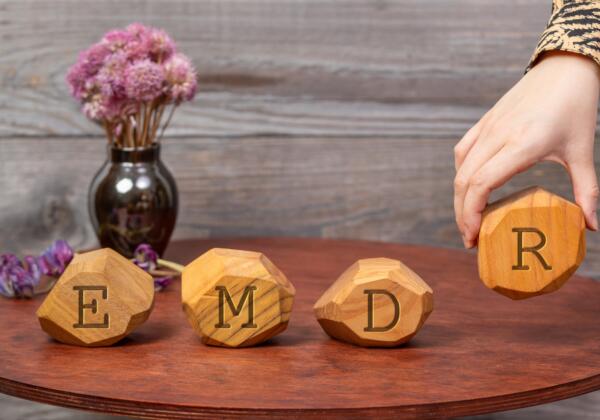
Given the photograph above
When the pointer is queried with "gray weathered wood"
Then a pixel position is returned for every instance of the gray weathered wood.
(391, 189)
(412, 67)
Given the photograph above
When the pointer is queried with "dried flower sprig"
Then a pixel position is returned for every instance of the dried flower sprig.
(37, 275)
(33, 275)
(128, 79)
(147, 259)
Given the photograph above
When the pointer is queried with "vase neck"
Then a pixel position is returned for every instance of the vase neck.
(138, 155)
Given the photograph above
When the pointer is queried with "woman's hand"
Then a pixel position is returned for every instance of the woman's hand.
(550, 114)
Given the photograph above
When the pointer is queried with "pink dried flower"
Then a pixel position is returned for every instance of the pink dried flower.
(76, 79)
(137, 30)
(181, 78)
(94, 109)
(144, 80)
(111, 76)
(93, 58)
(116, 40)
(130, 68)
(138, 47)
(160, 45)
(117, 108)
(88, 64)
(93, 99)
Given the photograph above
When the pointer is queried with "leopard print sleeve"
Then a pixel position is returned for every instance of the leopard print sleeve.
(574, 27)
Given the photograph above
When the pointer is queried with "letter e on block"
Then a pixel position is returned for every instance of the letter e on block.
(100, 298)
(377, 302)
(236, 298)
(530, 243)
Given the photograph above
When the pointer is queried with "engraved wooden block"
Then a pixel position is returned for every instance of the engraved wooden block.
(530, 243)
(377, 302)
(236, 298)
(100, 298)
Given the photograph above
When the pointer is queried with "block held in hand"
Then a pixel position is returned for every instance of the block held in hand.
(530, 243)
(377, 302)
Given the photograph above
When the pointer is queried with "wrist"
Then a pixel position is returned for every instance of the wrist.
(571, 64)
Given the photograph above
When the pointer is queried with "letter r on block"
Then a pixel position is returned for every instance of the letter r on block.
(533, 249)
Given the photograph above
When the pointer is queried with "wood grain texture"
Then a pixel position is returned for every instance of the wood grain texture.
(236, 298)
(478, 353)
(411, 67)
(530, 243)
(376, 302)
(99, 299)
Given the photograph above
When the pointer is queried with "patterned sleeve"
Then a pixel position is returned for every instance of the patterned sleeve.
(574, 27)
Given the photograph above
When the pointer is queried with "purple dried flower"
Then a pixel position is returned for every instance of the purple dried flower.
(161, 283)
(145, 257)
(33, 266)
(15, 279)
(55, 258)
(20, 278)
(144, 80)
(181, 78)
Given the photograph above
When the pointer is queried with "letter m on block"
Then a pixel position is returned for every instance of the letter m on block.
(236, 310)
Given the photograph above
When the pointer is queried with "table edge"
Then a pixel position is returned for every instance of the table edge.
(441, 410)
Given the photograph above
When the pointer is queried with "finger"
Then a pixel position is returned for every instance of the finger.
(585, 189)
(495, 173)
(465, 144)
(483, 149)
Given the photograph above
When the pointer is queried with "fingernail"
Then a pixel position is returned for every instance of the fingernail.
(595, 220)
(466, 242)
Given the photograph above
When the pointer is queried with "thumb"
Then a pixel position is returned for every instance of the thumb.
(585, 189)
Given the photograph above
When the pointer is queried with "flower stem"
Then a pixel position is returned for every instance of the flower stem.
(156, 123)
(172, 265)
(173, 107)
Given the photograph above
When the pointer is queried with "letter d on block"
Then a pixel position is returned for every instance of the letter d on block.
(236, 298)
(377, 302)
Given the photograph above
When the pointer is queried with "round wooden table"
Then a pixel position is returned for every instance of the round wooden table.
(479, 352)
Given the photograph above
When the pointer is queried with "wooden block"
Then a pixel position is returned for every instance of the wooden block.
(100, 298)
(377, 302)
(530, 243)
(236, 298)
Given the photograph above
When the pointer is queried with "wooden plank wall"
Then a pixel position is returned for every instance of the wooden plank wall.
(326, 118)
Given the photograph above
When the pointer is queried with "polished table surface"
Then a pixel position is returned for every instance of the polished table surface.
(479, 352)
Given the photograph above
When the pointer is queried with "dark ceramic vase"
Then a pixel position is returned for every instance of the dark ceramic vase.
(133, 200)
